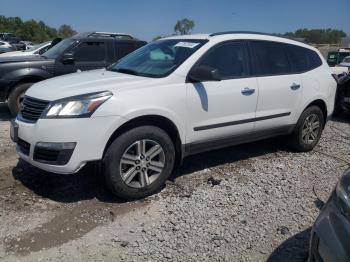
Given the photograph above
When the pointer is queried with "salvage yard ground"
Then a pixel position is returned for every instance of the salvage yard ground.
(253, 202)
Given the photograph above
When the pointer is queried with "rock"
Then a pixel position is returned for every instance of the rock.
(213, 181)
(124, 243)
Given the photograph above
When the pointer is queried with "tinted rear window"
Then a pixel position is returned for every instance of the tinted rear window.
(271, 57)
(302, 59)
(124, 48)
(90, 52)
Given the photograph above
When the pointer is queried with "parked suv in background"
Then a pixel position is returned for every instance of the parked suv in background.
(83, 51)
(175, 97)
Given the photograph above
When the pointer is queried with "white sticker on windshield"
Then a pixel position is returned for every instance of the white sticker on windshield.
(186, 44)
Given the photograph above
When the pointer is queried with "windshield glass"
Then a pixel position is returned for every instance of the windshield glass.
(58, 49)
(35, 47)
(157, 59)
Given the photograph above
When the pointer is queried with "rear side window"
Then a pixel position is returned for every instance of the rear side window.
(124, 48)
(90, 52)
(271, 58)
(230, 59)
(302, 59)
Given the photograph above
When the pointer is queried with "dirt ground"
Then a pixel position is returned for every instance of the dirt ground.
(50, 217)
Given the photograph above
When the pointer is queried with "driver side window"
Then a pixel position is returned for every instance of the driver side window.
(230, 59)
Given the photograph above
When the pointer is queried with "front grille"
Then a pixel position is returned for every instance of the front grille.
(23, 146)
(32, 109)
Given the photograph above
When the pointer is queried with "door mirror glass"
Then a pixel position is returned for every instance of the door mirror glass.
(204, 73)
(68, 58)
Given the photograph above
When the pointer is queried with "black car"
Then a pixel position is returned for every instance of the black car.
(84, 51)
(342, 100)
(330, 236)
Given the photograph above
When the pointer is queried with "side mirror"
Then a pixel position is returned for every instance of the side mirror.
(68, 58)
(203, 73)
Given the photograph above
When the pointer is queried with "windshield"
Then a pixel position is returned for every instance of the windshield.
(157, 59)
(58, 49)
(35, 47)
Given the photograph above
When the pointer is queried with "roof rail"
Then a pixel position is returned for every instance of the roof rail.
(110, 34)
(240, 32)
(256, 33)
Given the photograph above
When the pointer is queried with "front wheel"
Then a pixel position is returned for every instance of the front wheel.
(308, 130)
(139, 162)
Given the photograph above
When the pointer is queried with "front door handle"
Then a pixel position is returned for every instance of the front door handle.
(294, 86)
(248, 91)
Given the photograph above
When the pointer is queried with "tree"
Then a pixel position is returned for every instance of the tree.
(318, 36)
(184, 26)
(157, 37)
(66, 31)
(33, 30)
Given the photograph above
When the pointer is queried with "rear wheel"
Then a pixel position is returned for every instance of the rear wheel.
(139, 162)
(308, 130)
(16, 97)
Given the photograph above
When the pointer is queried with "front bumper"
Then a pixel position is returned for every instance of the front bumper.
(330, 236)
(76, 141)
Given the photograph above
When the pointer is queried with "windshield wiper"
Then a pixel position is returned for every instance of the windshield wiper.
(126, 71)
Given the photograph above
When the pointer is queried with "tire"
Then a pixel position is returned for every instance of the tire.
(14, 99)
(115, 170)
(298, 140)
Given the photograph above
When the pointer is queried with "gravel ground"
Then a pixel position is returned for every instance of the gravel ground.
(254, 202)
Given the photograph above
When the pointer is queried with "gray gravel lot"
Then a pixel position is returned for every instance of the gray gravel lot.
(254, 202)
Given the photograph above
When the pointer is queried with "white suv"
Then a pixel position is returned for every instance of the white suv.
(171, 98)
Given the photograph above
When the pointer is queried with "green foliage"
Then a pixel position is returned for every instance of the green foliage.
(318, 36)
(184, 26)
(157, 37)
(32, 30)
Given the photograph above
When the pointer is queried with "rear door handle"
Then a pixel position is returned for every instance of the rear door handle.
(294, 86)
(248, 91)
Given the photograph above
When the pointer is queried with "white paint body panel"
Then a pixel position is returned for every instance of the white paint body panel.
(187, 105)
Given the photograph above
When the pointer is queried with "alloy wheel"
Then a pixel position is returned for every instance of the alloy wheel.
(142, 163)
(311, 129)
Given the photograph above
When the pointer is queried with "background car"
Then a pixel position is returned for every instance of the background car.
(35, 50)
(330, 236)
(345, 62)
(6, 47)
(336, 57)
(342, 99)
(84, 51)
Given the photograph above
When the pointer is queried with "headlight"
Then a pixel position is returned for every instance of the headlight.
(76, 106)
(343, 194)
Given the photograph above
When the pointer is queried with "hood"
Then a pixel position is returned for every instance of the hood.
(14, 59)
(13, 53)
(85, 82)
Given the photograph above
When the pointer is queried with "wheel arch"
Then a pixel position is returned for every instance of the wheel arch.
(26, 79)
(322, 105)
(159, 121)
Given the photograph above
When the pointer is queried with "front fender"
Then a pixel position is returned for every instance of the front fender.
(22, 73)
(12, 78)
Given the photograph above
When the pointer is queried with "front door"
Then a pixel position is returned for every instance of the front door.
(226, 108)
(87, 55)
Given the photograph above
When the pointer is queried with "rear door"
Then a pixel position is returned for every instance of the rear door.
(226, 108)
(279, 88)
(125, 47)
(90, 55)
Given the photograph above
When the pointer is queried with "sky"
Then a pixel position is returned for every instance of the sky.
(149, 18)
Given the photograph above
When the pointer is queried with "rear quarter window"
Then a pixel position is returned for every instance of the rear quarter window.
(302, 59)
